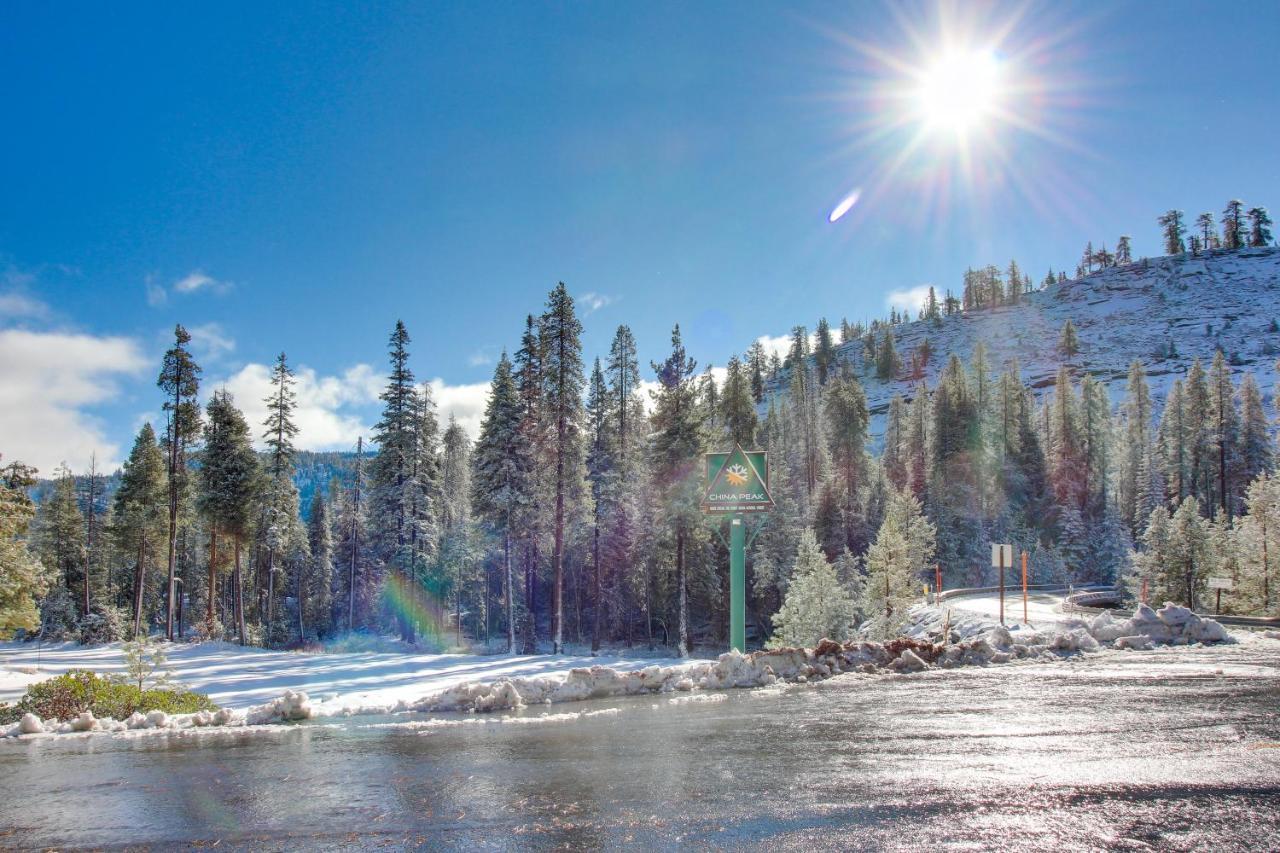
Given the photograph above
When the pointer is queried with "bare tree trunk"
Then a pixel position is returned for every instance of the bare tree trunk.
(682, 592)
(140, 579)
(89, 531)
(239, 598)
(557, 614)
(302, 633)
(271, 592)
(509, 579)
(213, 578)
(530, 600)
(598, 605)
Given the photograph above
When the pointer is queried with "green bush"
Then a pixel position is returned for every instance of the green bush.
(79, 690)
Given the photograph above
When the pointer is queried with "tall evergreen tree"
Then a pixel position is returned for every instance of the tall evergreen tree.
(896, 563)
(1233, 229)
(280, 526)
(1174, 230)
(737, 409)
(1259, 227)
(1224, 429)
(180, 381)
(315, 586)
(531, 436)
(23, 579)
(59, 532)
(499, 478)
(561, 335)
(455, 524)
(817, 605)
(139, 513)
(846, 419)
(1208, 230)
(230, 482)
(824, 351)
(676, 447)
(1254, 452)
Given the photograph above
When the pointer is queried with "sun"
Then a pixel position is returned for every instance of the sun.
(959, 92)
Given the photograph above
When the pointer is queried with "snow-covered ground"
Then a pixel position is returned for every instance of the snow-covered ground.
(240, 678)
(1044, 609)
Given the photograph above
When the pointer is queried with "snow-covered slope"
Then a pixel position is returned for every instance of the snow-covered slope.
(1222, 299)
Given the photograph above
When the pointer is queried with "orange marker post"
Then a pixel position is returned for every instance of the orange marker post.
(937, 586)
(1024, 588)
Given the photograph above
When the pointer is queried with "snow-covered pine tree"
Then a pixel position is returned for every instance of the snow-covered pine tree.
(280, 531)
(1135, 453)
(1224, 426)
(531, 438)
(888, 365)
(1199, 421)
(497, 479)
(23, 579)
(817, 605)
(896, 563)
(138, 518)
(456, 558)
(180, 381)
(737, 409)
(824, 351)
(1189, 555)
(561, 341)
(1174, 441)
(1258, 538)
(59, 539)
(893, 454)
(230, 483)
(315, 591)
(845, 407)
(1254, 447)
(600, 458)
(676, 445)
(628, 427)
(1124, 251)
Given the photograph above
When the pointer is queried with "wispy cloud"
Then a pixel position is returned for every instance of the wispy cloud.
(481, 357)
(156, 294)
(15, 305)
(198, 280)
(592, 302)
(209, 342)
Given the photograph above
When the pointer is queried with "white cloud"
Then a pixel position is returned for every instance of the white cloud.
(330, 412)
(197, 280)
(464, 402)
(592, 302)
(482, 356)
(210, 343)
(911, 299)
(14, 305)
(781, 344)
(48, 380)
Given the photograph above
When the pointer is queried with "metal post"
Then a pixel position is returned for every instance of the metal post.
(1000, 548)
(1218, 609)
(737, 584)
(1024, 589)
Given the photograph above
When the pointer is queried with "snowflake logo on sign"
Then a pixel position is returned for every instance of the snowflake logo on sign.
(736, 475)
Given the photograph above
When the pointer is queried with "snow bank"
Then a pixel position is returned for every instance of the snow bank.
(969, 641)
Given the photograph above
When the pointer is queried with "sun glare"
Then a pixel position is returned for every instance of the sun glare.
(959, 91)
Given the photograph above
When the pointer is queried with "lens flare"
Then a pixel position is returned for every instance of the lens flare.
(846, 204)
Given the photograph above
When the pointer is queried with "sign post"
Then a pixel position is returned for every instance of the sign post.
(1024, 589)
(737, 483)
(1001, 555)
(1220, 584)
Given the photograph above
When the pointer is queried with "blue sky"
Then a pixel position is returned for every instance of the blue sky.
(298, 176)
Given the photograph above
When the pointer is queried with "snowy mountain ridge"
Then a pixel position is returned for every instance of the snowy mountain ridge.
(1216, 300)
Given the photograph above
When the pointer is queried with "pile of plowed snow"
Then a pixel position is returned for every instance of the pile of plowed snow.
(969, 641)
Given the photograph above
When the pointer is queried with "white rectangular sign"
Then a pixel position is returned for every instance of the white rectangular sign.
(1220, 583)
(1008, 555)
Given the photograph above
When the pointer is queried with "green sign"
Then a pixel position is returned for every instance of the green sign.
(737, 482)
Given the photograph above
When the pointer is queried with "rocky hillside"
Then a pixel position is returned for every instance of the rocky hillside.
(1164, 311)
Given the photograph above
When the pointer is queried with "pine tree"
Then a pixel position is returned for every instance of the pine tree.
(1174, 230)
(315, 588)
(1124, 251)
(1200, 450)
(395, 500)
(845, 406)
(1233, 231)
(23, 578)
(737, 408)
(180, 381)
(824, 351)
(1136, 453)
(455, 521)
(59, 532)
(1189, 552)
(1207, 229)
(1174, 449)
(1068, 342)
(757, 363)
(1224, 429)
(1254, 451)
(888, 366)
(561, 335)
(139, 513)
(498, 477)
(817, 605)
(896, 562)
(531, 438)
(230, 482)
(1259, 532)
(676, 445)
(622, 371)
(1259, 227)
(893, 456)
(279, 525)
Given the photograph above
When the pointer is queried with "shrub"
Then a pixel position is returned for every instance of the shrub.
(79, 690)
(105, 624)
(58, 616)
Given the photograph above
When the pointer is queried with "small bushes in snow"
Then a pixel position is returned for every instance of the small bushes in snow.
(78, 691)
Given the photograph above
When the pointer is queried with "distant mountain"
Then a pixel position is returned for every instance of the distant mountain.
(1165, 312)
